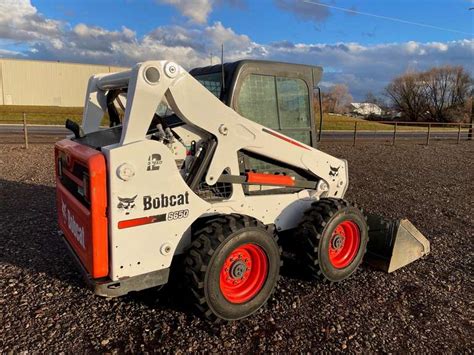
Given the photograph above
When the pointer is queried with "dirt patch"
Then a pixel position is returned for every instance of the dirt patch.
(425, 307)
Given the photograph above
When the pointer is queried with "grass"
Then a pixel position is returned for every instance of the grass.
(54, 115)
(51, 115)
(347, 123)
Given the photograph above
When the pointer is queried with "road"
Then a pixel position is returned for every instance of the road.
(41, 134)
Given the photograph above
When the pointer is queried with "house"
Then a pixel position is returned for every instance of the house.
(365, 109)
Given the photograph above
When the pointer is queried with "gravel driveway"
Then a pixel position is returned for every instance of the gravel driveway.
(425, 307)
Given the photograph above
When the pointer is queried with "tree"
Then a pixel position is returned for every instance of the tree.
(407, 95)
(440, 94)
(447, 92)
(371, 98)
(337, 99)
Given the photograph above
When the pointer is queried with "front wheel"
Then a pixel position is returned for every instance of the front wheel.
(333, 238)
(233, 266)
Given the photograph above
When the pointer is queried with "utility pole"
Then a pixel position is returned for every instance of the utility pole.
(222, 67)
(469, 135)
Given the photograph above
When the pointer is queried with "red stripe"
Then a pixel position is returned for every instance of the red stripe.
(286, 139)
(270, 179)
(141, 221)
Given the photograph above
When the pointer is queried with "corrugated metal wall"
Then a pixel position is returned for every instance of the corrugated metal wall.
(26, 82)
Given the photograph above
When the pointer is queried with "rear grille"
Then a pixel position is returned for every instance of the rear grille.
(73, 179)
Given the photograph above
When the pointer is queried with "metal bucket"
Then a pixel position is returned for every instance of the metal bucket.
(394, 243)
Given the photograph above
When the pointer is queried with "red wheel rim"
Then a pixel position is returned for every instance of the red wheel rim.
(344, 244)
(243, 274)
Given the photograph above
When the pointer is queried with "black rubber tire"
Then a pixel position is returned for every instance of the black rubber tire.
(314, 234)
(212, 243)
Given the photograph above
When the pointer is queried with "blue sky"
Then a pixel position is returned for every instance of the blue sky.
(265, 22)
(363, 51)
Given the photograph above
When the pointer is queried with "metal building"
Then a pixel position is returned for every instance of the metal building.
(42, 83)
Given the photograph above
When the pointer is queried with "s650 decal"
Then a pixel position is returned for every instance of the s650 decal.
(178, 214)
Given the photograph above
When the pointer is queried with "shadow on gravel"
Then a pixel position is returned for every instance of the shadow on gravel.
(29, 237)
(30, 241)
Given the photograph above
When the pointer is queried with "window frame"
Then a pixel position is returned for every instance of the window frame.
(276, 71)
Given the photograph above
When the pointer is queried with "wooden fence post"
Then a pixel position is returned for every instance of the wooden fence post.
(428, 134)
(471, 126)
(25, 130)
(394, 133)
(459, 133)
(355, 133)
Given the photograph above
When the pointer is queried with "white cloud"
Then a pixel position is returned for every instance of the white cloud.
(196, 10)
(9, 54)
(361, 67)
(19, 20)
(365, 68)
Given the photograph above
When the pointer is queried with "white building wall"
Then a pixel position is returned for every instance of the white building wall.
(1, 83)
(41, 83)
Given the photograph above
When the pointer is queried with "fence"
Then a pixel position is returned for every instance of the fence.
(394, 131)
(355, 131)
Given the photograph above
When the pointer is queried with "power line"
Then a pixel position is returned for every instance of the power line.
(386, 17)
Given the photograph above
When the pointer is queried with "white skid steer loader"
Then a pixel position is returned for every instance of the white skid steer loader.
(211, 165)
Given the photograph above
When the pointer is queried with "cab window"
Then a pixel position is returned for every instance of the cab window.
(293, 103)
(212, 82)
(257, 100)
(277, 102)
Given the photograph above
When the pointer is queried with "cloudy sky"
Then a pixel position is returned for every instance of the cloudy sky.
(361, 43)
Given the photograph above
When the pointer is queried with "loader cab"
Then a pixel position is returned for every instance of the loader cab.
(276, 95)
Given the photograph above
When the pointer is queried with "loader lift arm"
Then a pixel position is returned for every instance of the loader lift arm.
(149, 82)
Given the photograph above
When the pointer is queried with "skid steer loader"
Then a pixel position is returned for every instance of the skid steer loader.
(206, 169)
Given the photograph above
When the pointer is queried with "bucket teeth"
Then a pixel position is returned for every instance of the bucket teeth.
(394, 243)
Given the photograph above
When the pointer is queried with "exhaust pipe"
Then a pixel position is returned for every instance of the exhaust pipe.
(394, 243)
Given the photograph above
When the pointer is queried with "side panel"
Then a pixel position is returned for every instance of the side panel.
(150, 211)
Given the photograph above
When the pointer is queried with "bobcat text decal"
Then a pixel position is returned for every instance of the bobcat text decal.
(164, 201)
(76, 230)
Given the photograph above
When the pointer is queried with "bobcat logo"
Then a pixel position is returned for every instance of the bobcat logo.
(126, 204)
(334, 172)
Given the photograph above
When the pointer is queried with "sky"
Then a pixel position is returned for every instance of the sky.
(363, 44)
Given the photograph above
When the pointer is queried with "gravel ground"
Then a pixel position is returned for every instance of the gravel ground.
(425, 307)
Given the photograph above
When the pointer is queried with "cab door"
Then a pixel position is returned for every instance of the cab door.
(277, 96)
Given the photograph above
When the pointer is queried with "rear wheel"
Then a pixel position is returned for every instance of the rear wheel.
(333, 238)
(233, 266)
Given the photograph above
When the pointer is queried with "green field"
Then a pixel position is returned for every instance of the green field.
(347, 123)
(40, 114)
(53, 115)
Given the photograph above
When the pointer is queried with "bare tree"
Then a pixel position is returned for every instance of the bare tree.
(337, 99)
(439, 94)
(371, 98)
(407, 95)
(447, 92)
